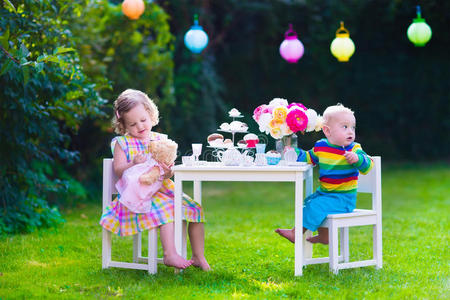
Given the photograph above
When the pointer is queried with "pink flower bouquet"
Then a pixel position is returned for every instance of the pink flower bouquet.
(279, 118)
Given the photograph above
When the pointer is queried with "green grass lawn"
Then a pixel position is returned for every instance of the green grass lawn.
(248, 259)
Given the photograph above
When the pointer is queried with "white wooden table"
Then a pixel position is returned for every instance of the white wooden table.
(214, 171)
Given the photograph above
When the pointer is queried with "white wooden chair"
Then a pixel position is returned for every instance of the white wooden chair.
(370, 183)
(139, 262)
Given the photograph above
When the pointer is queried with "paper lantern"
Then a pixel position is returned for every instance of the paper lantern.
(419, 33)
(133, 9)
(342, 46)
(196, 39)
(291, 49)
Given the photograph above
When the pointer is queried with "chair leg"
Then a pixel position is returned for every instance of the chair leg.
(333, 247)
(106, 248)
(307, 246)
(377, 246)
(184, 244)
(137, 247)
(152, 251)
(341, 245)
(344, 244)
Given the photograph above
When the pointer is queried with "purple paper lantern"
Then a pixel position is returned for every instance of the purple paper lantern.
(291, 49)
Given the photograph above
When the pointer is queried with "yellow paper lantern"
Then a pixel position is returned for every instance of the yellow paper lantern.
(342, 46)
(133, 9)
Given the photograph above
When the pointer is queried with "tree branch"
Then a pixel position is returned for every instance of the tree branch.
(9, 55)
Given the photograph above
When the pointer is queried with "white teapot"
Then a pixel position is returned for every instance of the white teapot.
(230, 157)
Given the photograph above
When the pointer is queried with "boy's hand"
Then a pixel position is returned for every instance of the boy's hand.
(351, 157)
(139, 159)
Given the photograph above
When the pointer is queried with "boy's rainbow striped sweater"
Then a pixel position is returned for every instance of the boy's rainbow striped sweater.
(336, 175)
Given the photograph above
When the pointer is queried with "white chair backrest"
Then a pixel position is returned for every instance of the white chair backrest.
(371, 183)
(109, 181)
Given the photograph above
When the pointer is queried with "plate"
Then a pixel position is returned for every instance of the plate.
(245, 147)
(218, 147)
(233, 131)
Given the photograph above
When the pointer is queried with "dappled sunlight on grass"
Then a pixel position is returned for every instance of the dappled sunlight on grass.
(268, 285)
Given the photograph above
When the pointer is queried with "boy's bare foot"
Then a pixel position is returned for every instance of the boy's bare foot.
(287, 233)
(318, 239)
(200, 263)
(176, 261)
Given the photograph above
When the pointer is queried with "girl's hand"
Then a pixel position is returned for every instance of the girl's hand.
(168, 173)
(139, 159)
(351, 157)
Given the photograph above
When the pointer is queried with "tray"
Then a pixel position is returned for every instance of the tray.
(233, 131)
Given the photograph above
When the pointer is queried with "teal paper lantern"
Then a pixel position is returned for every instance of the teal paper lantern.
(419, 33)
(196, 39)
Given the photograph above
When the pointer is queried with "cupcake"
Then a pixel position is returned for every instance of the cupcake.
(228, 143)
(273, 153)
(273, 157)
(215, 140)
(251, 139)
(236, 126)
(234, 113)
(242, 144)
(225, 126)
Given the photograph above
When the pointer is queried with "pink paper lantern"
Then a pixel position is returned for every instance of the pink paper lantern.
(291, 49)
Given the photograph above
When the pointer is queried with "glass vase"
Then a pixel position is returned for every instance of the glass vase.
(285, 143)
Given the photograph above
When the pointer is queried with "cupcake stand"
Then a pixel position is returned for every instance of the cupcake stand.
(215, 150)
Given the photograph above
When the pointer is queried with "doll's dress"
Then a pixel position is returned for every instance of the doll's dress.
(135, 195)
(120, 220)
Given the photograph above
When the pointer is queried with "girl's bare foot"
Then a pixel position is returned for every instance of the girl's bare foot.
(176, 261)
(200, 263)
(318, 239)
(287, 233)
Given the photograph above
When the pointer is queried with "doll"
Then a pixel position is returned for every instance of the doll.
(140, 182)
(164, 152)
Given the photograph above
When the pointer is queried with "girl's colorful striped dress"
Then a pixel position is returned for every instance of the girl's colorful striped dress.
(118, 219)
(338, 181)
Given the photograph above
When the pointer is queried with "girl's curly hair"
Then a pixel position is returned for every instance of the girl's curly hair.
(127, 100)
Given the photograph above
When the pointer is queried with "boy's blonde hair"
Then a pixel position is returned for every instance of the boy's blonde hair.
(127, 100)
(331, 111)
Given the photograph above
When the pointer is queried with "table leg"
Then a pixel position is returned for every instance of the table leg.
(307, 246)
(198, 192)
(178, 214)
(298, 224)
(309, 182)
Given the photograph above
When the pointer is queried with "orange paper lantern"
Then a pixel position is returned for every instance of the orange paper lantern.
(133, 9)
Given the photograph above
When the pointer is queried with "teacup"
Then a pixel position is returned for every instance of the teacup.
(187, 160)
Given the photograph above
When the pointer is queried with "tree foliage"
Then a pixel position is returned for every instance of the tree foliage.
(60, 61)
(44, 96)
(118, 53)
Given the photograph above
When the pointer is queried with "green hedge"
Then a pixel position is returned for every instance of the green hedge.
(45, 96)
